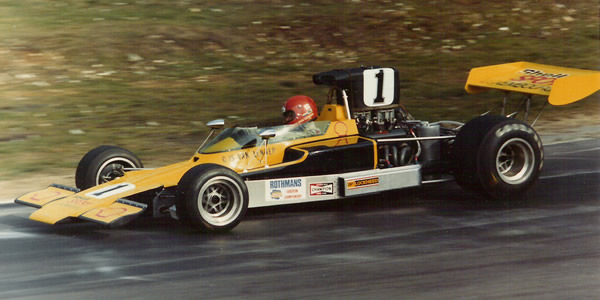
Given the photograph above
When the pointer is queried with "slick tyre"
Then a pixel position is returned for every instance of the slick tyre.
(103, 164)
(498, 156)
(211, 198)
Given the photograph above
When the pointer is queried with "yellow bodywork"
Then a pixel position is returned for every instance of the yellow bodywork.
(112, 214)
(253, 159)
(96, 202)
(561, 85)
(42, 197)
(104, 203)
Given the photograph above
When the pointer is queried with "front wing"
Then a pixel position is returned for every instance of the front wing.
(58, 203)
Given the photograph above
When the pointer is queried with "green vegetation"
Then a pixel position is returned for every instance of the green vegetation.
(146, 74)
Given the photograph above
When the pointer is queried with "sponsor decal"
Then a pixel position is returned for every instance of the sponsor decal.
(110, 212)
(533, 80)
(276, 194)
(80, 200)
(525, 85)
(256, 154)
(364, 182)
(44, 195)
(321, 189)
(542, 74)
(76, 202)
(340, 128)
(111, 190)
(285, 189)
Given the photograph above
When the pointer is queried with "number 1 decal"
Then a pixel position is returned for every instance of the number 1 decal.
(379, 98)
(111, 190)
(378, 87)
(104, 191)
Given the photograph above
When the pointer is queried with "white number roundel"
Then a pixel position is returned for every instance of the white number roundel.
(378, 87)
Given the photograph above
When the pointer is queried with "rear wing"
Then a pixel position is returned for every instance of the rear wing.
(561, 85)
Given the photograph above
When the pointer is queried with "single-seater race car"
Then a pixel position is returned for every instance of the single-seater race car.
(362, 142)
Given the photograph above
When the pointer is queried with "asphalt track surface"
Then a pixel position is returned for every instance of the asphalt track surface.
(434, 242)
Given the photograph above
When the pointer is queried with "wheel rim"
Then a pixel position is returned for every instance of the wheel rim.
(515, 161)
(113, 169)
(220, 201)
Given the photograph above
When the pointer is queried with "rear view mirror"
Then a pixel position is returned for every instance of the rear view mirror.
(216, 124)
(267, 134)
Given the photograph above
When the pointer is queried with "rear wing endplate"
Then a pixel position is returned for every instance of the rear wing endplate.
(561, 85)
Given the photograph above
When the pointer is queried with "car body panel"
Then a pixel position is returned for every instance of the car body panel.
(562, 85)
(42, 197)
(301, 189)
(101, 203)
(115, 214)
(252, 159)
(76, 204)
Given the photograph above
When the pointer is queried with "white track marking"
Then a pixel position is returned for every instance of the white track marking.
(14, 235)
(575, 151)
(570, 174)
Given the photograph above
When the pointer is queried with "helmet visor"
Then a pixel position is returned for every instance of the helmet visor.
(288, 116)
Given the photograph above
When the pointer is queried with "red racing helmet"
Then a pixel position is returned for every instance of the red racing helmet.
(299, 110)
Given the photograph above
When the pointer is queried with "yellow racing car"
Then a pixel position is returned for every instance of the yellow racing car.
(362, 142)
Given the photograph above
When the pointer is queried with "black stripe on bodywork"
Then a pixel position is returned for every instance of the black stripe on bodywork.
(322, 160)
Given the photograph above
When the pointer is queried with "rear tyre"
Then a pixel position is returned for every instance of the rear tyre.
(498, 156)
(212, 198)
(103, 164)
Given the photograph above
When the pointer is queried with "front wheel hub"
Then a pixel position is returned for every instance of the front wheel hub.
(220, 200)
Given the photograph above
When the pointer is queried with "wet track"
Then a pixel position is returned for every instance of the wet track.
(430, 242)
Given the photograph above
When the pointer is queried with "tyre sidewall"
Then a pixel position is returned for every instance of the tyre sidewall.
(466, 148)
(490, 179)
(90, 164)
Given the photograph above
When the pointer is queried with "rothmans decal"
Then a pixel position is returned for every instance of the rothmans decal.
(285, 189)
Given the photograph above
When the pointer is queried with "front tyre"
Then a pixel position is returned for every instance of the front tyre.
(103, 164)
(212, 198)
(499, 156)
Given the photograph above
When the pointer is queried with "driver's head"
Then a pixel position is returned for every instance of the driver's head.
(299, 110)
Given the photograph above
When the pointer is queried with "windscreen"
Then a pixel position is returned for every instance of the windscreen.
(238, 138)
